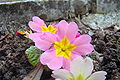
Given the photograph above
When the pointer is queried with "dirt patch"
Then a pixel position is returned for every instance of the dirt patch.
(108, 44)
(13, 62)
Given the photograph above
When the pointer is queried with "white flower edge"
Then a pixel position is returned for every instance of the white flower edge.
(61, 74)
(100, 75)
(80, 66)
(58, 79)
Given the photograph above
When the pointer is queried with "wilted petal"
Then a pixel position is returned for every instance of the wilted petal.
(81, 66)
(100, 75)
(84, 49)
(62, 28)
(72, 31)
(48, 58)
(82, 39)
(62, 74)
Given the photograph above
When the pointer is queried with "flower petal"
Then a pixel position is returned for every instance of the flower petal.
(74, 56)
(34, 36)
(38, 21)
(82, 39)
(42, 44)
(62, 28)
(58, 79)
(56, 63)
(66, 64)
(34, 26)
(84, 49)
(43, 40)
(62, 74)
(48, 58)
(72, 31)
(79, 66)
(47, 36)
(100, 75)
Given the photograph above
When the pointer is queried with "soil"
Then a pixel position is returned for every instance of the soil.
(14, 64)
(108, 44)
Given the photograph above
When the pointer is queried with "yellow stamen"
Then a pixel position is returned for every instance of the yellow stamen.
(44, 28)
(64, 48)
(50, 28)
(22, 32)
(79, 77)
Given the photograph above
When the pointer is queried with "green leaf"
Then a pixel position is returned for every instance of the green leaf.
(33, 55)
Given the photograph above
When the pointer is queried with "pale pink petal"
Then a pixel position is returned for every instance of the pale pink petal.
(74, 56)
(84, 49)
(66, 64)
(55, 63)
(83, 39)
(34, 26)
(100, 75)
(34, 36)
(47, 36)
(61, 74)
(42, 44)
(62, 28)
(48, 58)
(43, 41)
(39, 21)
(72, 31)
(36, 23)
(81, 66)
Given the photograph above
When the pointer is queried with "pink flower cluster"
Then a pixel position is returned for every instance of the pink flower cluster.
(61, 42)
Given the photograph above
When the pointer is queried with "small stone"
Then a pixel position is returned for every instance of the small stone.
(101, 21)
(105, 6)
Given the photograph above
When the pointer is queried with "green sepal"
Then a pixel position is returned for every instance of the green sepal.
(33, 55)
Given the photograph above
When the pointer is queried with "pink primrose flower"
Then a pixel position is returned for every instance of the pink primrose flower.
(39, 25)
(61, 48)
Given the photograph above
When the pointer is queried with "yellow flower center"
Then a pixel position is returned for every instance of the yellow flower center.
(50, 28)
(79, 77)
(64, 48)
